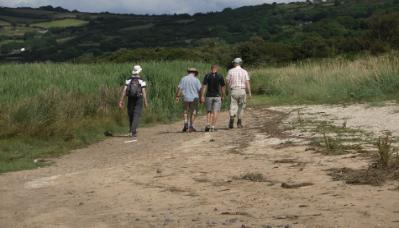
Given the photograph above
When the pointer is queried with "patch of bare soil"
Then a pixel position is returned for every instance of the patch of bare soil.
(259, 176)
(326, 128)
(373, 175)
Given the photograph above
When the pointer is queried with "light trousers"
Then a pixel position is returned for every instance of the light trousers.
(238, 103)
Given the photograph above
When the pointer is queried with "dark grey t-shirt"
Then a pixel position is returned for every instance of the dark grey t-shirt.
(214, 83)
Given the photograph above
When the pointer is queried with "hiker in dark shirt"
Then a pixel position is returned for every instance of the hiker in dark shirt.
(212, 94)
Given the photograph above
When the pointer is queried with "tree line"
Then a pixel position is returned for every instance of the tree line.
(264, 34)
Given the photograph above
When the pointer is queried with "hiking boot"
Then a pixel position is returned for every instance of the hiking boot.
(239, 124)
(185, 128)
(231, 124)
(192, 129)
(108, 134)
(207, 128)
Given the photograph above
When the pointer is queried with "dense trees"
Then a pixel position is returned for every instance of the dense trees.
(268, 33)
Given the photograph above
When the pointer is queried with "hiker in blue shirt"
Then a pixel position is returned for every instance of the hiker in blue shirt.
(190, 88)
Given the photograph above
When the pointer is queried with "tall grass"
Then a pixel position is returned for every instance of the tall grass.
(46, 109)
(331, 81)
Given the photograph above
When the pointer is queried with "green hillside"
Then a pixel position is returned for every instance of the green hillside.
(62, 23)
(268, 33)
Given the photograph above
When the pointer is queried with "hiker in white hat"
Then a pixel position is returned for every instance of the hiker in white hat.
(238, 82)
(137, 70)
(190, 88)
(135, 91)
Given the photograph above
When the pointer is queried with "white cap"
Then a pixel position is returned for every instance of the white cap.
(137, 69)
(237, 60)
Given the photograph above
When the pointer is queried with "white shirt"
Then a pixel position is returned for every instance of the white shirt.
(237, 78)
(143, 84)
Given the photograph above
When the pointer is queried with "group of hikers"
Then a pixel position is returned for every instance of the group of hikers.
(211, 92)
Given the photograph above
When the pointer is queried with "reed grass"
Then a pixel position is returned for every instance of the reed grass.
(331, 80)
(47, 109)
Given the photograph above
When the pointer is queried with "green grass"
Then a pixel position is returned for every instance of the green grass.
(63, 23)
(20, 20)
(17, 31)
(48, 109)
(11, 41)
(4, 23)
(330, 81)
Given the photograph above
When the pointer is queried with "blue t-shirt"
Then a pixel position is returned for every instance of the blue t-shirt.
(190, 87)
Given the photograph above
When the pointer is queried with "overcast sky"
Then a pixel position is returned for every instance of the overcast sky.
(140, 6)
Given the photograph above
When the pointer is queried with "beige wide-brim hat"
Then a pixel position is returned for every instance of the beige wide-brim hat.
(192, 70)
(137, 69)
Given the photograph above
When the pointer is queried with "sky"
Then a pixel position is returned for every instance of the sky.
(140, 6)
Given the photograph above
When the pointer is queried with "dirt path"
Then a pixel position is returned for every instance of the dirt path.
(237, 178)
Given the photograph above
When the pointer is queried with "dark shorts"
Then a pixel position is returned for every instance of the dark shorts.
(191, 107)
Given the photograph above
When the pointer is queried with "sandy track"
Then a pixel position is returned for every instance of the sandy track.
(170, 179)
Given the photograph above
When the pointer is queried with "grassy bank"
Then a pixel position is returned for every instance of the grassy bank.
(47, 109)
(330, 81)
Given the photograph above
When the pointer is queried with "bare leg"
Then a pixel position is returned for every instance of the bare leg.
(185, 115)
(192, 119)
(215, 118)
(209, 118)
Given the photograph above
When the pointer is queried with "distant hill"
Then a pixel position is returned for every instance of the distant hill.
(266, 33)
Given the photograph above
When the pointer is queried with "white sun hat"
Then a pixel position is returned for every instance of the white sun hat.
(237, 60)
(137, 69)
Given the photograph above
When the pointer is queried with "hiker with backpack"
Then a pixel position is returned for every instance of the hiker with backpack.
(190, 88)
(135, 91)
(238, 82)
(213, 87)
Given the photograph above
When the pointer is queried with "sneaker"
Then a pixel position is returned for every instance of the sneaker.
(132, 140)
(231, 124)
(207, 128)
(239, 124)
(192, 129)
(213, 129)
(185, 128)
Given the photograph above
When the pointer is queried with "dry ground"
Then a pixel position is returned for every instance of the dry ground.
(259, 176)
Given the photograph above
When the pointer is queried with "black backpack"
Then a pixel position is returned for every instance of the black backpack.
(134, 88)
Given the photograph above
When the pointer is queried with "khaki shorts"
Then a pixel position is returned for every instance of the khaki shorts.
(191, 107)
(213, 104)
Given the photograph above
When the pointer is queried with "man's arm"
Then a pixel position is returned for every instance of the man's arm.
(204, 89)
(123, 95)
(145, 97)
(178, 94)
(223, 87)
(202, 93)
(227, 82)
(248, 84)
(248, 87)
(199, 86)
(223, 92)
